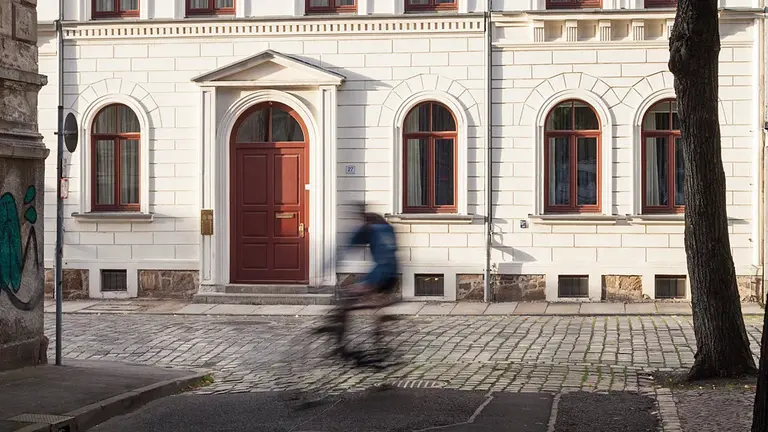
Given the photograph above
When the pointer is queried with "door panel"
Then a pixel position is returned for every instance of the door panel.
(268, 208)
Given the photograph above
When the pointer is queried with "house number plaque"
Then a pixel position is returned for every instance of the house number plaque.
(206, 222)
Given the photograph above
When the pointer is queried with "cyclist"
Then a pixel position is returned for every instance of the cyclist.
(377, 286)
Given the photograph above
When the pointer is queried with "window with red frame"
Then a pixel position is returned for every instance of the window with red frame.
(572, 159)
(574, 4)
(660, 4)
(115, 8)
(429, 160)
(331, 6)
(430, 5)
(115, 137)
(663, 165)
(210, 7)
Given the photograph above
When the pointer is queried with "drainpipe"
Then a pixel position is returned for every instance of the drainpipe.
(59, 171)
(763, 163)
(489, 154)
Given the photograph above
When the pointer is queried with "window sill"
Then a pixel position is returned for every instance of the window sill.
(114, 217)
(429, 218)
(657, 219)
(575, 219)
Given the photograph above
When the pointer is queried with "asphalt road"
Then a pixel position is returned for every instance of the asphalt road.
(391, 410)
(373, 410)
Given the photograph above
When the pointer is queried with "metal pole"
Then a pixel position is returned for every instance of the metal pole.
(487, 294)
(59, 172)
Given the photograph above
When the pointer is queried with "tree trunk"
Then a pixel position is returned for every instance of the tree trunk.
(722, 347)
(760, 412)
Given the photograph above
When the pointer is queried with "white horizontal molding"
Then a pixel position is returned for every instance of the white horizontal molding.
(605, 46)
(454, 219)
(133, 217)
(140, 264)
(296, 27)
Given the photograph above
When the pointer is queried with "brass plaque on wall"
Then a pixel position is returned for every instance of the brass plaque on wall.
(206, 222)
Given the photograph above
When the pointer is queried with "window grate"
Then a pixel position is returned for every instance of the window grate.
(430, 285)
(670, 287)
(573, 286)
(114, 280)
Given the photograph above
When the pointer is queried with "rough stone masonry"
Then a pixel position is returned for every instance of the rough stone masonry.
(22, 166)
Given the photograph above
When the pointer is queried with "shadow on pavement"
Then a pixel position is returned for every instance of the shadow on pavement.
(616, 411)
(372, 410)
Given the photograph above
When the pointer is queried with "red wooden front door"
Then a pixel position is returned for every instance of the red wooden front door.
(269, 200)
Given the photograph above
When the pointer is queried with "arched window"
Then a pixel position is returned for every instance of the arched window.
(269, 123)
(115, 137)
(662, 158)
(429, 159)
(572, 158)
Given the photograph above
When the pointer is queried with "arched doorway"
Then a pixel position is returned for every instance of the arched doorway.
(269, 201)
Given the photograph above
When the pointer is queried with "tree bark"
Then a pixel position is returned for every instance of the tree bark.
(760, 411)
(722, 347)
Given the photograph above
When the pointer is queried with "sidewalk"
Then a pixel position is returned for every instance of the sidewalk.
(405, 308)
(82, 394)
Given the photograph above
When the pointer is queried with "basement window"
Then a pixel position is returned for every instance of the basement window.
(670, 287)
(430, 285)
(114, 281)
(573, 286)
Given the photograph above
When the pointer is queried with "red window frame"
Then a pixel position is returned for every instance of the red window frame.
(432, 6)
(210, 10)
(431, 137)
(117, 139)
(650, 4)
(573, 136)
(332, 7)
(117, 13)
(575, 4)
(671, 135)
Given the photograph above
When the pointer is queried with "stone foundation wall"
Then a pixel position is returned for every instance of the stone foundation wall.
(520, 288)
(504, 288)
(168, 284)
(74, 284)
(749, 288)
(347, 279)
(469, 287)
(620, 288)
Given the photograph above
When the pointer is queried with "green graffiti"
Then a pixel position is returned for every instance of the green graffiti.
(10, 244)
(12, 256)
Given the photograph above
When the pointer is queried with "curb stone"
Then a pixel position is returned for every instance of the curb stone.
(94, 414)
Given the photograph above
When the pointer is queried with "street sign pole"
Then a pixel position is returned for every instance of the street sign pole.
(59, 203)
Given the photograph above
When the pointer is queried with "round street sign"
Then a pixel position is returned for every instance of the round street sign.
(70, 132)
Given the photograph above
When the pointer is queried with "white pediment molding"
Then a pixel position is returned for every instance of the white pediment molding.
(269, 69)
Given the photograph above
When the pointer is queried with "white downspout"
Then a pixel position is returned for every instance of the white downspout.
(487, 294)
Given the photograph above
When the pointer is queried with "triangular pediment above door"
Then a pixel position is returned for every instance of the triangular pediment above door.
(269, 69)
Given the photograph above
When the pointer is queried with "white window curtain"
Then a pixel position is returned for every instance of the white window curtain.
(559, 171)
(129, 172)
(105, 172)
(656, 171)
(105, 6)
(417, 172)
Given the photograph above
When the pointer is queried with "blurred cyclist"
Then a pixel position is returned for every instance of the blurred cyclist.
(377, 287)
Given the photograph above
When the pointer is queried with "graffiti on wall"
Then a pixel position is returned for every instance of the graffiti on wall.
(14, 253)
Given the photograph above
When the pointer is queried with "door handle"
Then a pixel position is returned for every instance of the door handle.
(301, 230)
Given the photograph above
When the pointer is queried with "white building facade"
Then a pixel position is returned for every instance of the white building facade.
(221, 141)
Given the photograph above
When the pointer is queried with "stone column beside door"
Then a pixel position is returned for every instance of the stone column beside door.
(22, 172)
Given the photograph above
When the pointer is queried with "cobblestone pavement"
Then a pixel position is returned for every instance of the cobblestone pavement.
(515, 353)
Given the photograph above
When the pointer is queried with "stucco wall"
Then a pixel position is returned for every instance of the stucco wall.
(22, 280)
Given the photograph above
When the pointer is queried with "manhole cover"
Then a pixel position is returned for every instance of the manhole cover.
(40, 418)
(114, 308)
